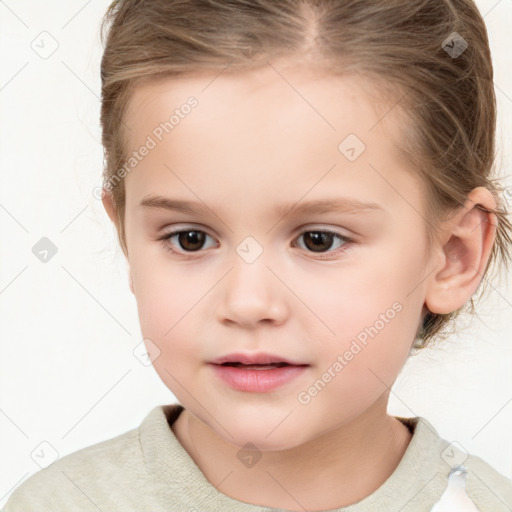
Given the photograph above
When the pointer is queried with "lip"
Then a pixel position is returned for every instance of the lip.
(257, 381)
(254, 358)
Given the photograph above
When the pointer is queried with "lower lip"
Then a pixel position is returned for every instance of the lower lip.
(257, 381)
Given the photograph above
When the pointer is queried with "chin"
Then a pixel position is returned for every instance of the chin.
(264, 433)
(249, 440)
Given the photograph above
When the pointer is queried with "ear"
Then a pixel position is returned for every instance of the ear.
(108, 203)
(464, 251)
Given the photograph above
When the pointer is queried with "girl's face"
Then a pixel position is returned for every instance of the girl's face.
(255, 276)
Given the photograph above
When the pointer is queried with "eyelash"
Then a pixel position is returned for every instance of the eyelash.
(347, 242)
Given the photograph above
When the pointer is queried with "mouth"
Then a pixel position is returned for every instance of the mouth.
(271, 366)
(257, 373)
(258, 360)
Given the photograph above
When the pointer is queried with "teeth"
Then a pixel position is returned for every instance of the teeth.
(272, 366)
(259, 366)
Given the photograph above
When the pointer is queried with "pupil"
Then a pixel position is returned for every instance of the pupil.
(320, 240)
(191, 240)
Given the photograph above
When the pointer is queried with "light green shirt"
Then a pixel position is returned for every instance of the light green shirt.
(147, 470)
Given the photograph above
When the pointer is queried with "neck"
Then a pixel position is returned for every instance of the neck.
(334, 470)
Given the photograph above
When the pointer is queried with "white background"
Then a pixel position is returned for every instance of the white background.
(69, 326)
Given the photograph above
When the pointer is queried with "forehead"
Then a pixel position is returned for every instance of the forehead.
(293, 97)
(275, 129)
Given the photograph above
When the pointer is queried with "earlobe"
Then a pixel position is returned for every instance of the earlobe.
(468, 240)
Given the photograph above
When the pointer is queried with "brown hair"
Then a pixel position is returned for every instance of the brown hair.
(415, 52)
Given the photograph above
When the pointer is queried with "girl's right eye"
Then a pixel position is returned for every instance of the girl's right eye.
(192, 240)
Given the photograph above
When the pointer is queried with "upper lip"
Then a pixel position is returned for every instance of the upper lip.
(256, 358)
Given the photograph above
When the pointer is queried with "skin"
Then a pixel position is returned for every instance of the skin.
(253, 143)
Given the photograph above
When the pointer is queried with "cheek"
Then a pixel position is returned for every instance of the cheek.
(354, 370)
(174, 301)
(348, 300)
(369, 314)
(170, 299)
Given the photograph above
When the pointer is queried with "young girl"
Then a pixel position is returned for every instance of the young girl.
(303, 192)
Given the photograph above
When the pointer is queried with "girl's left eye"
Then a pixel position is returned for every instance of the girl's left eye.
(319, 239)
(192, 240)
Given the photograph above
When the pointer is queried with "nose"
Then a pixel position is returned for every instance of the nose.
(252, 294)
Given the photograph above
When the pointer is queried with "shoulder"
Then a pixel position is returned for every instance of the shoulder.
(489, 489)
(86, 479)
(78, 476)
(485, 486)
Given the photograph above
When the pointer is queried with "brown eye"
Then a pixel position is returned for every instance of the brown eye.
(189, 240)
(318, 241)
(322, 241)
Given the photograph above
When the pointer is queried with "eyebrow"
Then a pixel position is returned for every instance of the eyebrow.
(314, 207)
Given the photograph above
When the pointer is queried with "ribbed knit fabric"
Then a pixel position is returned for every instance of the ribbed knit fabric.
(147, 470)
